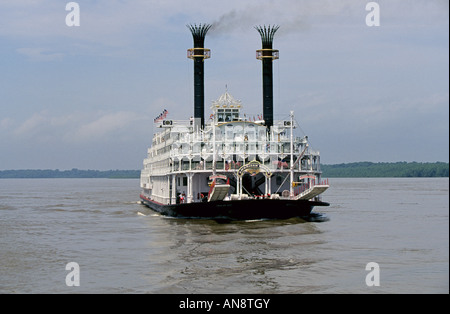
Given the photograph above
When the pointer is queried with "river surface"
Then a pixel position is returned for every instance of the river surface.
(120, 246)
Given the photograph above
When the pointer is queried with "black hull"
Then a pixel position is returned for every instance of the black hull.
(237, 209)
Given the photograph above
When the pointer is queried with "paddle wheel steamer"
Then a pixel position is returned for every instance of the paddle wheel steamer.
(231, 166)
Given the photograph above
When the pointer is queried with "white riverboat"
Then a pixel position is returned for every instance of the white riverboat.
(231, 166)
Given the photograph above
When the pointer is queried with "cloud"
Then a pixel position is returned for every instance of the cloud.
(32, 125)
(110, 25)
(297, 16)
(40, 54)
(75, 127)
(340, 76)
(6, 124)
(105, 126)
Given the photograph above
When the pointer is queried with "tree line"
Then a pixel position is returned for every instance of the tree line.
(347, 170)
(73, 173)
(385, 169)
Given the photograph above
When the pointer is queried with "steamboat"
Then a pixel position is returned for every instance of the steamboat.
(231, 166)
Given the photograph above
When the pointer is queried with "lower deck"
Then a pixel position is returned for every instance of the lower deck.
(236, 209)
(194, 187)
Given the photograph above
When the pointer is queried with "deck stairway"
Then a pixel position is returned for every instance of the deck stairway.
(218, 192)
(312, 192)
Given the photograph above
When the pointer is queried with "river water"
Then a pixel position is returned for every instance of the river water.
(120, 246)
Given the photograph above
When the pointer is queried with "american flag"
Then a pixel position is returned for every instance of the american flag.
(161, 116)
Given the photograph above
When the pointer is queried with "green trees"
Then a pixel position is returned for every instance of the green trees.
(74, 173)
(348, 170)
(384, 169)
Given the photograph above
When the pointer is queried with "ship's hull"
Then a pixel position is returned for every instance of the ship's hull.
(237, 209)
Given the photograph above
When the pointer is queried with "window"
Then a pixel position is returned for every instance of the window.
(235, 114)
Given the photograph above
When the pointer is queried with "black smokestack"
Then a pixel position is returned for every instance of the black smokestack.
(199, 54)
(267, 55)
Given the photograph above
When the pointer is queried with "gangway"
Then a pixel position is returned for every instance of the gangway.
(312, 192)
(218, 191)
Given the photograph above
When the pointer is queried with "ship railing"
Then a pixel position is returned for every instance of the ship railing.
(303, 189)
(196, 138)
(225, 161)
(229, 162)
(313, 152)
(184, 148)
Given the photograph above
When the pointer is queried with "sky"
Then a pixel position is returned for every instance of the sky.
(86, 96)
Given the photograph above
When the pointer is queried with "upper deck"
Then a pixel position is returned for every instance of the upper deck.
(229, 141)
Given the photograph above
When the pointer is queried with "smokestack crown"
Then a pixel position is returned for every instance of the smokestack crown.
(199, 34)
(267, 34)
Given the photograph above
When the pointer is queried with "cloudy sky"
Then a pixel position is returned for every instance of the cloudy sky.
(85, 96)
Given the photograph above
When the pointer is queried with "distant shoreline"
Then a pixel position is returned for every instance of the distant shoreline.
(347, 170)
(70, 174)
(387, 170)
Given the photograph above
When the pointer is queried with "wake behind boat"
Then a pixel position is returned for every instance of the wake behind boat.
(231, 166)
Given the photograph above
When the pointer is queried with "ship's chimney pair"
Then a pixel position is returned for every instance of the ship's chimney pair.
(267, 54)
